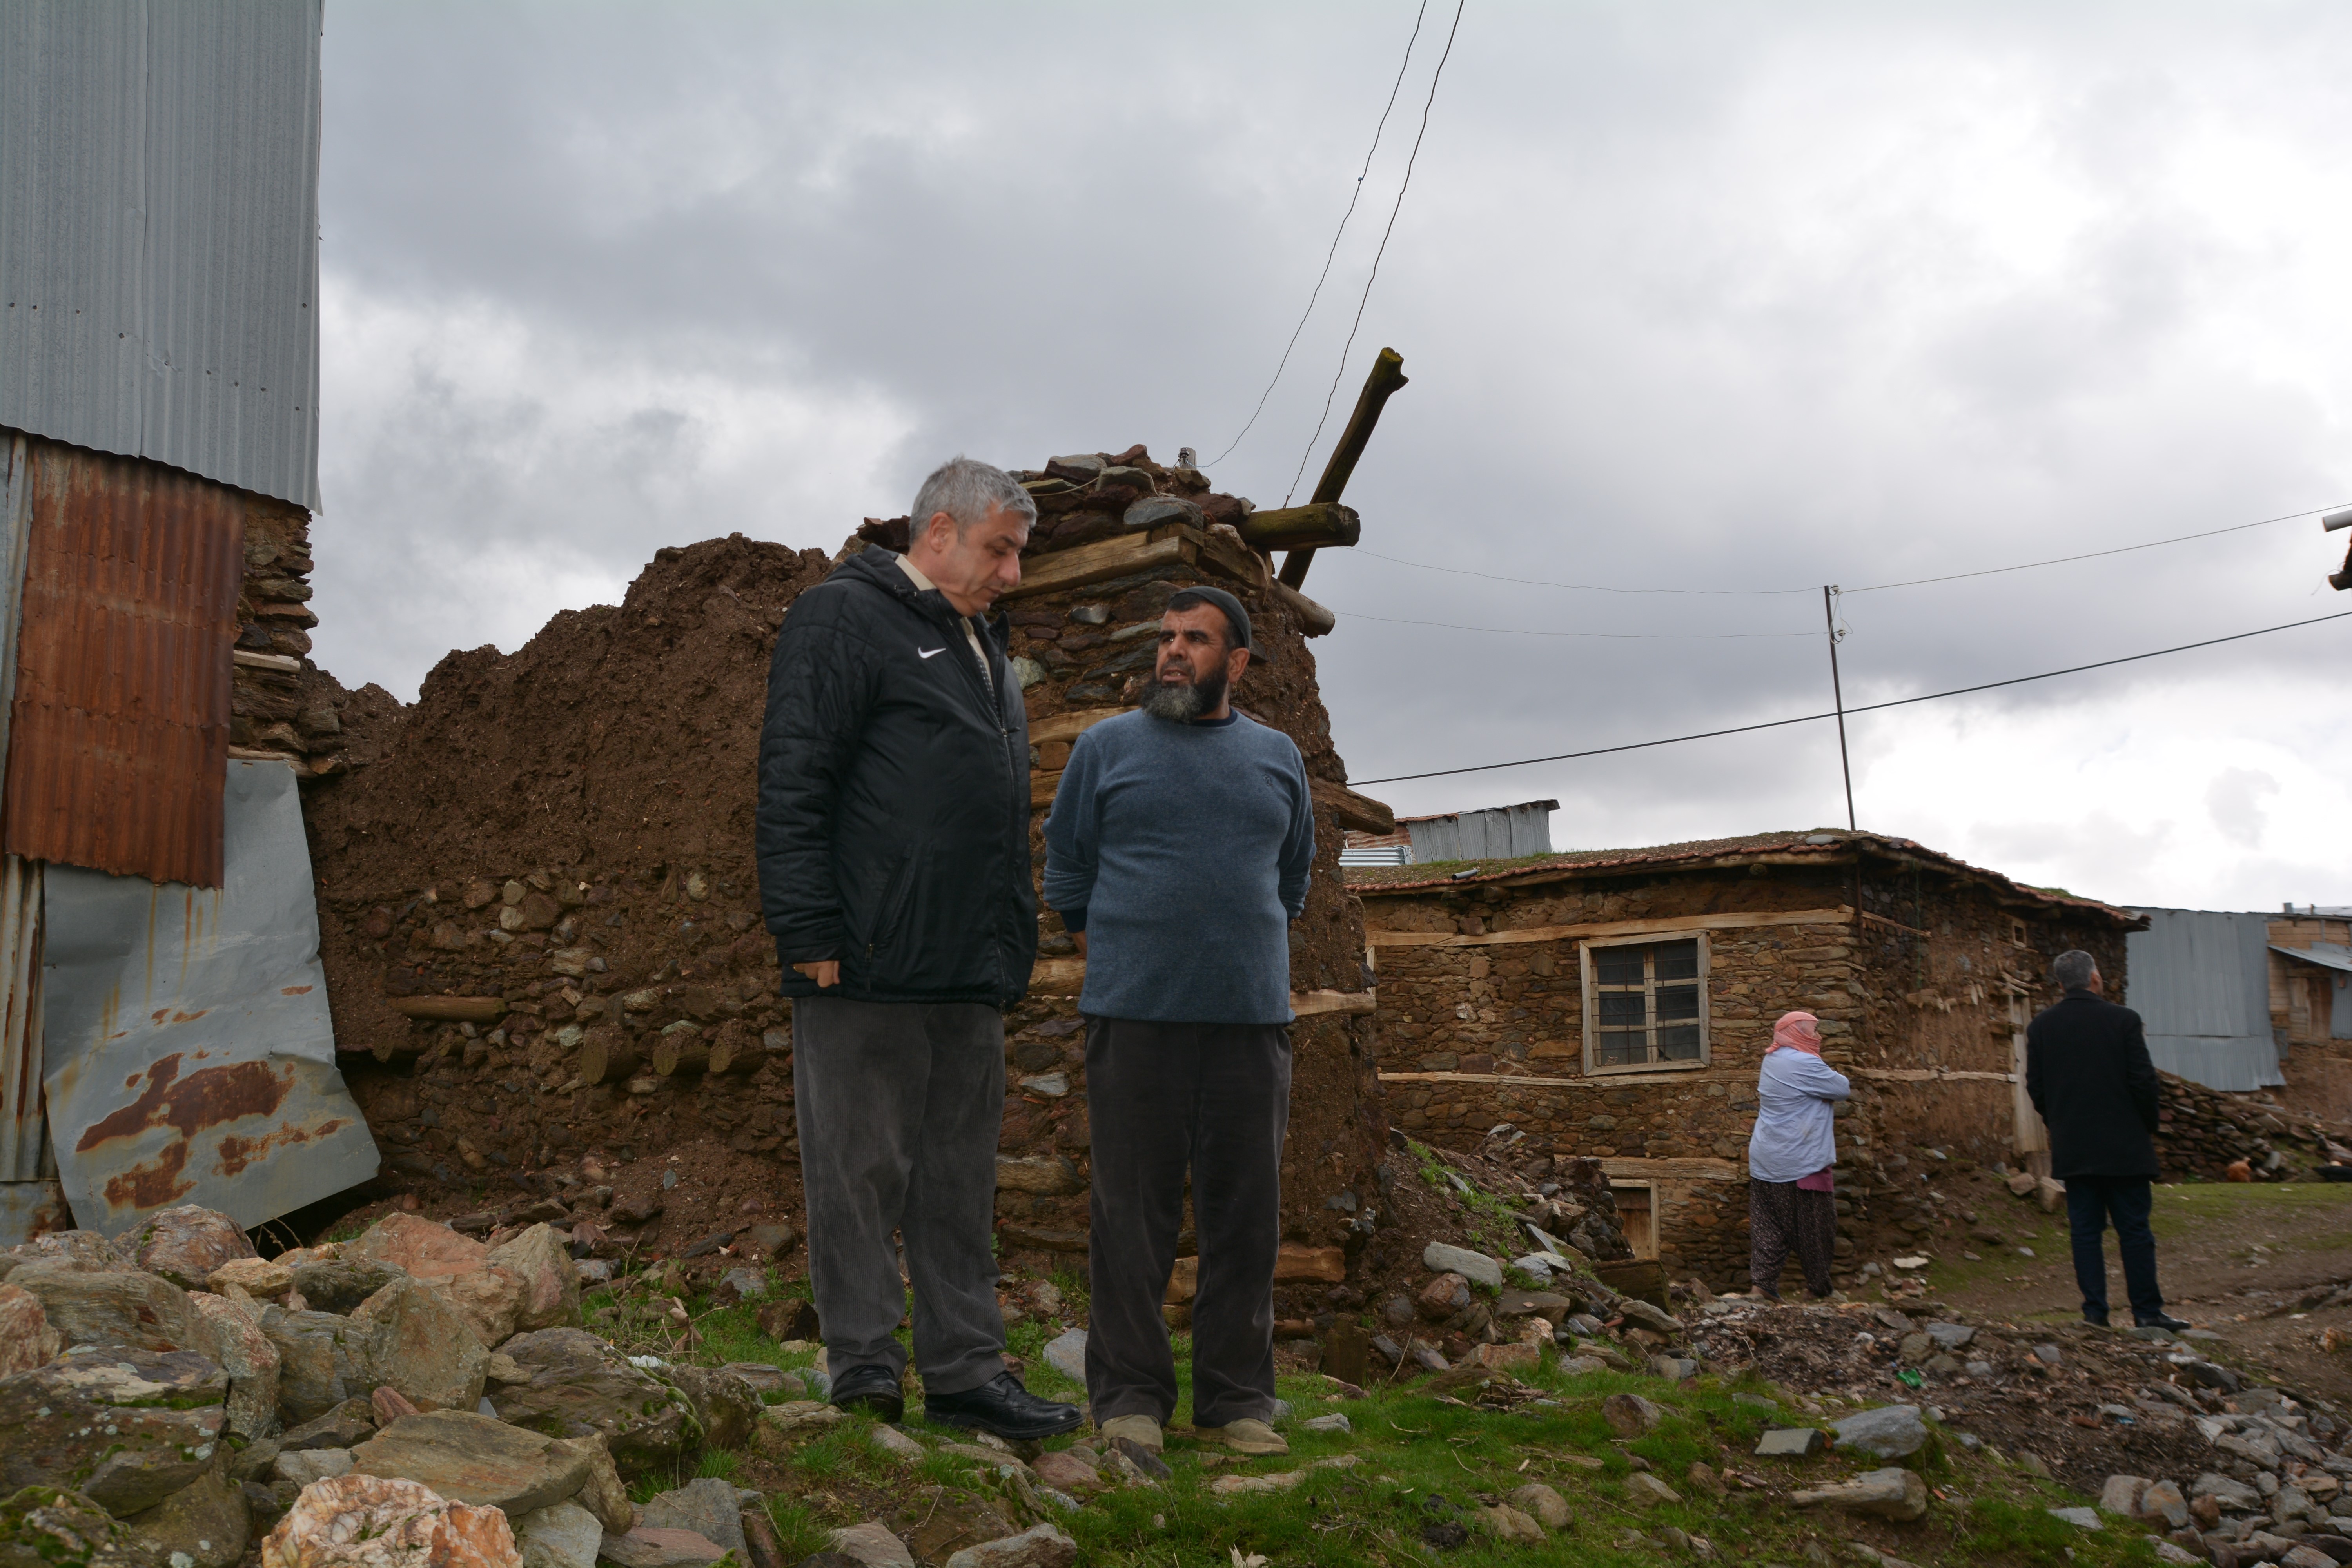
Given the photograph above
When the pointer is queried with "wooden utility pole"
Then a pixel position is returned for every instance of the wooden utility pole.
(1837, 695)
(1388, 374)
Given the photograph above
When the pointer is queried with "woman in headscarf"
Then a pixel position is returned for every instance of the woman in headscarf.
(1791, 1207)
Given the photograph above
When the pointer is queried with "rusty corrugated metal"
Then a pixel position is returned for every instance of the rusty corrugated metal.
(118, 734)
(189, 1055)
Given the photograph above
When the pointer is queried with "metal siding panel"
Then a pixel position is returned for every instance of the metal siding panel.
(22, 1126)
(190, 1056)
(2200, 981)
(2238, 1065)
(119, 721)
(159, 235)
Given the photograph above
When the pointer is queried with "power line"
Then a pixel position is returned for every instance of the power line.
(1356, 196)
(1874, 587)
(1620, 637)
(1864, 707)
(1374, 276)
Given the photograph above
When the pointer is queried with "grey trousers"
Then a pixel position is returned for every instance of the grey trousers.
(1214, 1097)
(900, 1105)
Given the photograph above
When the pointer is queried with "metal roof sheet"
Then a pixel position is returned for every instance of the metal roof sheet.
(159, 233)
(119, 731)
(2322, 953)
(190, 1056)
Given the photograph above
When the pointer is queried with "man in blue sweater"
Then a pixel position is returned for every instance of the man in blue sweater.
(1178, 853)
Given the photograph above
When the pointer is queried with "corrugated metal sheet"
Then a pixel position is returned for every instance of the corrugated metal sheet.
(119, 729)
(2199, 979)
(22, 1126)
(28, 1209)
(1498, 833)
(159, 233)
(2326, 955)
(190, 1056)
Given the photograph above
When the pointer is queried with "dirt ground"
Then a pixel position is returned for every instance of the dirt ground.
(2243, 1260)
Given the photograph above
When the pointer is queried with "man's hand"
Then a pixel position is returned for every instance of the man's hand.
(1080, 938)
(825, 971)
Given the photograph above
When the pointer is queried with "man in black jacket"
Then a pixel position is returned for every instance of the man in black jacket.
(2087, 1071)
(893, 841)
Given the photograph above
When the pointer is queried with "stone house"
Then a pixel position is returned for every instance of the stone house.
(1616, 1004)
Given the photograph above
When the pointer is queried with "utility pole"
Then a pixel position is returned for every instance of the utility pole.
(1837, 693)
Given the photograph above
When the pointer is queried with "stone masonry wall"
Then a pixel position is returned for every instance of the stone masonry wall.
(275, 707)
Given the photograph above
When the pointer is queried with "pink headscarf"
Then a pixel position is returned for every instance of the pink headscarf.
(1796, 1032)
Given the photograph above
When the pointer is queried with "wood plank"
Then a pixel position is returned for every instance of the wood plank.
(1219, 552)
(1734, 921)
(1318, 1003)
(1069, 726)
(1686, 1170)
(1107, 558)
(1319, 525)
(1600, 1081)
(1348, 809)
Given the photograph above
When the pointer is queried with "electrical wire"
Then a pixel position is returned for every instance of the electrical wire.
(1406, 184)
(1859, 708)
(1618, 636)
(1873, 588)
(1354, 198)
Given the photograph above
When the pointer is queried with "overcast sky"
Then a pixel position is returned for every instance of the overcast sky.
(1721, 298)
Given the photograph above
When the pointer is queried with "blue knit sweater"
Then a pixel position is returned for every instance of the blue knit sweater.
(1182, 851)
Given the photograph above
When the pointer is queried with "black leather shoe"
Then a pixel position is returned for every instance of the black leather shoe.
(874, 1388)
(2166, 1321)
(1002, 1406)
(2097, 1319)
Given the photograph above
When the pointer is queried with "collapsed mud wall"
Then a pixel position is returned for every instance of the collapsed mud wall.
(539, 915)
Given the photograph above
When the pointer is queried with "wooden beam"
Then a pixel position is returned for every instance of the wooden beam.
(1313, 620)
(1065, 976)
(1734, 921)
(1318, 525)
(1108, 558)
(1388, 375)
(1348, 809)
(1686, 1170)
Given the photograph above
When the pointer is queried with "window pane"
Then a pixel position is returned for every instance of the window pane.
(1679, 1044)
(1621, 1009)
(1619, 1047)
(1617, 965)
(1677, 960)
(1676, 1002)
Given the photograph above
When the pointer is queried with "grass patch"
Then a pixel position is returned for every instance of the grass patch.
(1487, 1220)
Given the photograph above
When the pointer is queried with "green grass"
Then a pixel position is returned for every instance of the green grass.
(1486, 1217)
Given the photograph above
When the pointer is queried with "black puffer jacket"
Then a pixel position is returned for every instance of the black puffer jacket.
(894, 797)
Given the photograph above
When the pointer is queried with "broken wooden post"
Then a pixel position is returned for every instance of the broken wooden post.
(1387, 376)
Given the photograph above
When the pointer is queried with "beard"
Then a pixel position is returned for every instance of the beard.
(1181, 701)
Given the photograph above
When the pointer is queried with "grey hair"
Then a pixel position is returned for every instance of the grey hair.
(2073, 968)
(965, 488)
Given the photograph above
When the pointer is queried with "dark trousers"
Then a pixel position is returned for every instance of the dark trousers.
(900, 1105)
(2090, 1202)
(1783, 1217)
(1163, 1099)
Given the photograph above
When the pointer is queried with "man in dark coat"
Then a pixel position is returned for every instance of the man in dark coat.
(893, 844)
(2087, 1071)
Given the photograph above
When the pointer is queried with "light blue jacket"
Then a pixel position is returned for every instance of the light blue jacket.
(1795, 1133)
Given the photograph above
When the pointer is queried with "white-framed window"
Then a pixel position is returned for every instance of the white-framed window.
(1645, 1003)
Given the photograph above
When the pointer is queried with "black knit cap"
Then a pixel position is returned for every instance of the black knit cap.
(1235, 616)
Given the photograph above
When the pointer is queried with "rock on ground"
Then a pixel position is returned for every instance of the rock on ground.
(1792, 1442)
(1440, 1259)
(1647, 1489)
(84, 1249)
(27, 1341)
(375, 1521)
(1630, 1414)
(416, 1343)
(474, 1459)
(486, 1294)
(1066, 1353)
(643, 1548)
(1894, 1493)
(727, 1407)
(317, 1367)
(184, 1245)
(547, 1292)
(206, 1522)
(1042, 1547)
(895, 1444)
(41, 1526)
(604, 1494)
(307, 1465)
(1889, 1432)
(249, 1358)
(871, 1544)
(124, 1428)
(563, 1535)
(580, 1385)
(117, 1306)
(1507, 1523)
(346, 1425)
(712, 1509)
(1547, 1506)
